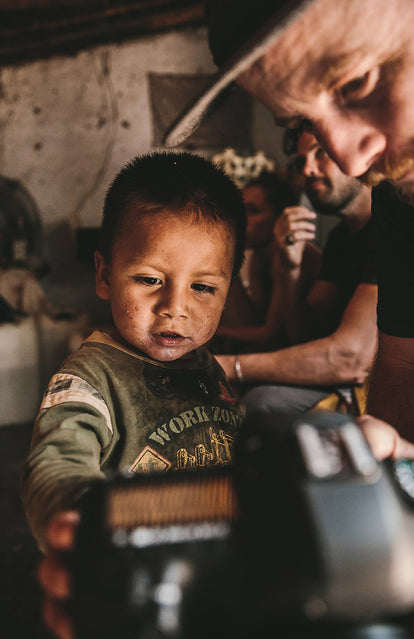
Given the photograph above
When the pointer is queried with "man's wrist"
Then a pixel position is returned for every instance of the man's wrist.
(238, 369)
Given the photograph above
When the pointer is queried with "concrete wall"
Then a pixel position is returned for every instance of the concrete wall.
(68, 123)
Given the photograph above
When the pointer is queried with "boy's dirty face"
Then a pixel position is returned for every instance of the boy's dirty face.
(167, 282)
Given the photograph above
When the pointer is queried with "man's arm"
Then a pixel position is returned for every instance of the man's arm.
(344, 357)
(391, 388)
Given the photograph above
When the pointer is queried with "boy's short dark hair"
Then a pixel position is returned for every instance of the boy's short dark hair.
(279, 194)
(177, 182)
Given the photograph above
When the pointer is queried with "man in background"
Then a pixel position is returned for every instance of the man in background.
(333, 326)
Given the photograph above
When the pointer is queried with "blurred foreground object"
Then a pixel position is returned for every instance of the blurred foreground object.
(307, 536)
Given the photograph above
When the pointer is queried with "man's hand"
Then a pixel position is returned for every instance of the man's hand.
(54, 576)
(292, 230)
(384, 439)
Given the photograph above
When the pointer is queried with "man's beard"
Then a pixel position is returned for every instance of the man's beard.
(331, 203)
(406, 192)
(393, 169)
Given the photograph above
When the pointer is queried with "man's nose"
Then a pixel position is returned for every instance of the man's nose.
(353, 144)
(172, 302)
(310, 166)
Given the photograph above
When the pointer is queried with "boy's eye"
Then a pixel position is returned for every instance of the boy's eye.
(359, 87)
(147, 280)
(203, 288)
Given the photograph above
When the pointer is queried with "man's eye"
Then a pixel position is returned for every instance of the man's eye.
(147, 280)
(204, 288)
(360, 87)
(299, 125)
(320, 153)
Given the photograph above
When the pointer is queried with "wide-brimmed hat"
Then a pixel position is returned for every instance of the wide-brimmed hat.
(240, 32)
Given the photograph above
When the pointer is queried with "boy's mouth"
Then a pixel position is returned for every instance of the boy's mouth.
(168, 338)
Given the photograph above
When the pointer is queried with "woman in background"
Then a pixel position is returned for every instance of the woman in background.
(252, 317)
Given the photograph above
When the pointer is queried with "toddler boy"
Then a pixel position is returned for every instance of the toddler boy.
(146, 396)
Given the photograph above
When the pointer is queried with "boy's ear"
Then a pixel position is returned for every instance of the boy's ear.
(102, 279)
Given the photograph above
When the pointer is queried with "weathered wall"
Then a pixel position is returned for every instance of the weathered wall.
(68, 123)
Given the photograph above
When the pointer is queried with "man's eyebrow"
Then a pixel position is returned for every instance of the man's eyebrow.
(336, 66)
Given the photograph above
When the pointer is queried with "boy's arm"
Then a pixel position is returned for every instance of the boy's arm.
(65, 457)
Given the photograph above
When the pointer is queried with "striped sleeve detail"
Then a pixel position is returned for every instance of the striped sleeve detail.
(65, 388)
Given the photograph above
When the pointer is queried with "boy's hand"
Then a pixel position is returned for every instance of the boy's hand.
(54, 576)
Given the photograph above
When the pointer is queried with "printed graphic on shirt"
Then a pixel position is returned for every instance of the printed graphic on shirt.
(195, 438)
(150, 461)
(65, 388)
(189, 418)
(217, 454)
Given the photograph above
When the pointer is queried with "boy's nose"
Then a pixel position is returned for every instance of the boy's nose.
(353, 144)
(172, 302)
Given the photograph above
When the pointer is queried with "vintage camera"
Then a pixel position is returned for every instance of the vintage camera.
(306, 536)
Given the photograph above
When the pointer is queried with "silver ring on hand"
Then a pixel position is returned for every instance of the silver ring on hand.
(289, 239)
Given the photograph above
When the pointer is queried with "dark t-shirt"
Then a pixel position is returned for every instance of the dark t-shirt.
(394, 219)
(349, 259)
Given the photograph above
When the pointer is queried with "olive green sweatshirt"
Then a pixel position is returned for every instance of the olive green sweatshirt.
(112, 409)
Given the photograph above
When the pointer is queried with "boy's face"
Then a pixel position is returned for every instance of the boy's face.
(167, 281)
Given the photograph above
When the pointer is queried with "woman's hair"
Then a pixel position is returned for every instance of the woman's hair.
(179, 183)
(279, 194)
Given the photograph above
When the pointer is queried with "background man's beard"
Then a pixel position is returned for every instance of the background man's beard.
(334, 204)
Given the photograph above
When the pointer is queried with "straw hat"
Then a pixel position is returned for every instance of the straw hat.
(240, 32)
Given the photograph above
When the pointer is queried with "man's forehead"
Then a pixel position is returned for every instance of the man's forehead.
(328, 40)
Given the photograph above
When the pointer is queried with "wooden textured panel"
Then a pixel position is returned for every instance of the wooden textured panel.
(32, 29)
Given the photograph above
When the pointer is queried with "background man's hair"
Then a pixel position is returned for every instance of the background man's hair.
(291, 139)
(180, 183)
